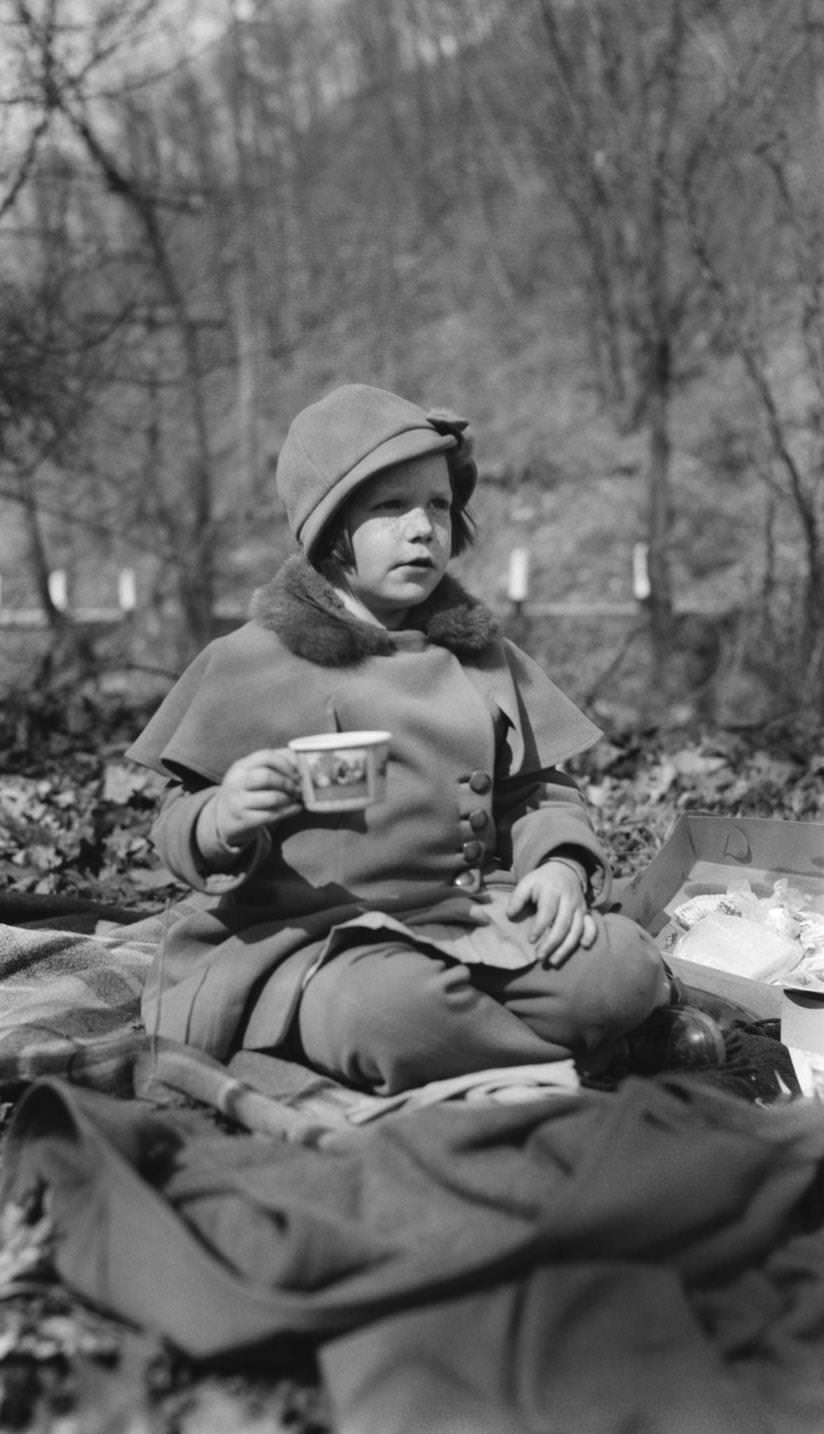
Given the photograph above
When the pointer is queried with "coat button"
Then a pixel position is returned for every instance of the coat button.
(468, 880)
(478, 819)
(472, 851)
(480, 782)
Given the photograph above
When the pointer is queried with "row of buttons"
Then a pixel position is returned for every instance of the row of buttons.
(473, 850)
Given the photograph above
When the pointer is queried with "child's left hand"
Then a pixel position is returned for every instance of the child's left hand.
(561, 922)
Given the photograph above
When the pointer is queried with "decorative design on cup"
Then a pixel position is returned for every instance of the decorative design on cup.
(342, 771)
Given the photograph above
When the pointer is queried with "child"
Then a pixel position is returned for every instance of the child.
(450, 927)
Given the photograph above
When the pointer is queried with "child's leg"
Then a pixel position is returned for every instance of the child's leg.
(388, 1017)
(600, 993)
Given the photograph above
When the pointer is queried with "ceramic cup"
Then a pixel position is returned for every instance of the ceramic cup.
(342, 771)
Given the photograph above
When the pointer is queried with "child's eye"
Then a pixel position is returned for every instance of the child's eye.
(441, 505)
(388, 505)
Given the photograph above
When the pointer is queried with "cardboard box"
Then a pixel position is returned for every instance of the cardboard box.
(705, 853)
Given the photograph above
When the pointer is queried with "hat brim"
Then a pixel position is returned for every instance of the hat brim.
(412, 443)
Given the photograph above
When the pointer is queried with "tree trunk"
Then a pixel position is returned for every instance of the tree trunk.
(659, 514)
(38, 558)
(811, 637)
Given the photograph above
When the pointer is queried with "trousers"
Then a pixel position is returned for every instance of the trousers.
(387, 1016)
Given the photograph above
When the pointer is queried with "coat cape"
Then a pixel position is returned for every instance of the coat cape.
(301, 640)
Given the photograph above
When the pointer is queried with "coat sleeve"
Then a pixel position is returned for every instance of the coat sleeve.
(545, 814)
(173, 836)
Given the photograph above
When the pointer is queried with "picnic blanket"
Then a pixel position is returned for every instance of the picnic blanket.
(70, 1006)
(504, 1254)
(70, 1002)
(651, 1258)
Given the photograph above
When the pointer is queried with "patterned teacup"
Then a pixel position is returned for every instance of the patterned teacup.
(342, 771)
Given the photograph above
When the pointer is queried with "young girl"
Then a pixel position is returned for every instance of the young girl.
(450, 927)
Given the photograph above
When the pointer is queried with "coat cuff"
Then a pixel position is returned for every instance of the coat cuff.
(546, 831)
(175, 839)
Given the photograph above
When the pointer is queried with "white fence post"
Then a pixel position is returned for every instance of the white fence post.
(59, 589)
(126, 590)
(518, 583)
(640, 573)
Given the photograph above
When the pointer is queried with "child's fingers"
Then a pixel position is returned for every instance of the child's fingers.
(589, 934)
(550, 926)
(266, 770)
(539, 896)
(266, 784)
(250, 798)
(278, 759)
(265, 804)
(290, 809)
(562, 941)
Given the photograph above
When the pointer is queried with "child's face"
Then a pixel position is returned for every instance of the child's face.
(400, 528)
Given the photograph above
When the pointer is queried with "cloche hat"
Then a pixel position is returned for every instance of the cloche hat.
(351, 434)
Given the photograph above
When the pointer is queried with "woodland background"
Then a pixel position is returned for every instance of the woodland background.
(592, 226)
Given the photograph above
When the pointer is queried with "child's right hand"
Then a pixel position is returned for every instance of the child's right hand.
(257, 791)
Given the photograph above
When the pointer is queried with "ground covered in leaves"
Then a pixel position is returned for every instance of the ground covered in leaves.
(74, 825)
(74, 814)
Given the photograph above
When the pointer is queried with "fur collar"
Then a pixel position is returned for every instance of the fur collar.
(302, 607)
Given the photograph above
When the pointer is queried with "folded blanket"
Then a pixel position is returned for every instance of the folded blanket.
(70, 1003)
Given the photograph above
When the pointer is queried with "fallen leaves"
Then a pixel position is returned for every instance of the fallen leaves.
(55, 1336)
(65, 1366)
(81, 830)
(637, 790)
(25, 1250)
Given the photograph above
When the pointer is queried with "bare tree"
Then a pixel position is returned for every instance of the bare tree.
(52, 356)
(766, 277)
(66, 68)
(619, 101)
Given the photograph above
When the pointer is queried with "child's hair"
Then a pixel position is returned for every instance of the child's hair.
(335, 545)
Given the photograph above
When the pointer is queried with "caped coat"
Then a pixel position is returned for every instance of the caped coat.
(473, 790)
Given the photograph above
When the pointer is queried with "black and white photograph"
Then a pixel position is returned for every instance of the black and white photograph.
(411, 716)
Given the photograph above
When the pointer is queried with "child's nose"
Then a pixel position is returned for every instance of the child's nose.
(418, 521)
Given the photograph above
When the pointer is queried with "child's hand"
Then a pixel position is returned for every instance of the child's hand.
(257, 791)
(561, 921)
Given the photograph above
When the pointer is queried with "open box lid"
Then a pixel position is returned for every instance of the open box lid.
(706, 850)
